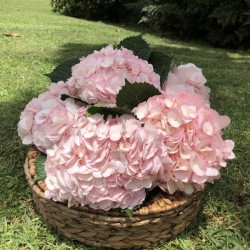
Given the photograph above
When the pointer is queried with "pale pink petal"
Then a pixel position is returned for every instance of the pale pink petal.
(208, 128)
(174, 119)
(116, 132)
(198, 165)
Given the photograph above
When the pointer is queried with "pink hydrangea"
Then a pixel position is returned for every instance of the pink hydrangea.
(186, 78)
(105, 164)
(192, 132)
(47, 118)
(59, 88)
(99, 77)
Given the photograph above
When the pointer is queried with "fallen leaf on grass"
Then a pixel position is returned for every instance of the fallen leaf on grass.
(12, 34)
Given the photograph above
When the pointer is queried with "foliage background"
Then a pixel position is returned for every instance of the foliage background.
(111, 10)
(223, 23)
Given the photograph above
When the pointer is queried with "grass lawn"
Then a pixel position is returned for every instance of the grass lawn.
(48, 39)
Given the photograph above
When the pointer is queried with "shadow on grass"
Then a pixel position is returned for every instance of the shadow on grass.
(12, 155)
(10, 112)
(75, 50)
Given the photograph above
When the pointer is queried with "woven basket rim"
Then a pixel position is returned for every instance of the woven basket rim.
(181, 200)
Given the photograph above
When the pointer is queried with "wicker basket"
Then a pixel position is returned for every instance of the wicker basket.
(160, 218)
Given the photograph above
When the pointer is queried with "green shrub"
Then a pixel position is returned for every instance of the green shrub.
(229, 23)
(133, 10)
(90, 9)
(224, 23)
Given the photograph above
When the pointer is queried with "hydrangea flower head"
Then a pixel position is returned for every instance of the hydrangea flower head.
(186, 78)
(100, 76)
(105, 164)
(192, 132)
(46, 119)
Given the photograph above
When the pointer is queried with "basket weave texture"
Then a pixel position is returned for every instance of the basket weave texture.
(160, 218)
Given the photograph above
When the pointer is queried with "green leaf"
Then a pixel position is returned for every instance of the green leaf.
(106, 111)
(161, 63)
(40, 172)
(138, 45)
(129, 212)
(63, 71)
(132, 94)
(76, 98)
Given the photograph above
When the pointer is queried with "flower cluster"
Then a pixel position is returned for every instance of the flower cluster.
(100, 76)
(186, 78)
(192, 132)
(105, 164)
(173, 140)
(47, 119)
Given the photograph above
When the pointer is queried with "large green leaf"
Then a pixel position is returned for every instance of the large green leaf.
(63, 71)
(161, 63)
(132, 94)
(106, 111)
(40, 172)
(138, 45)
